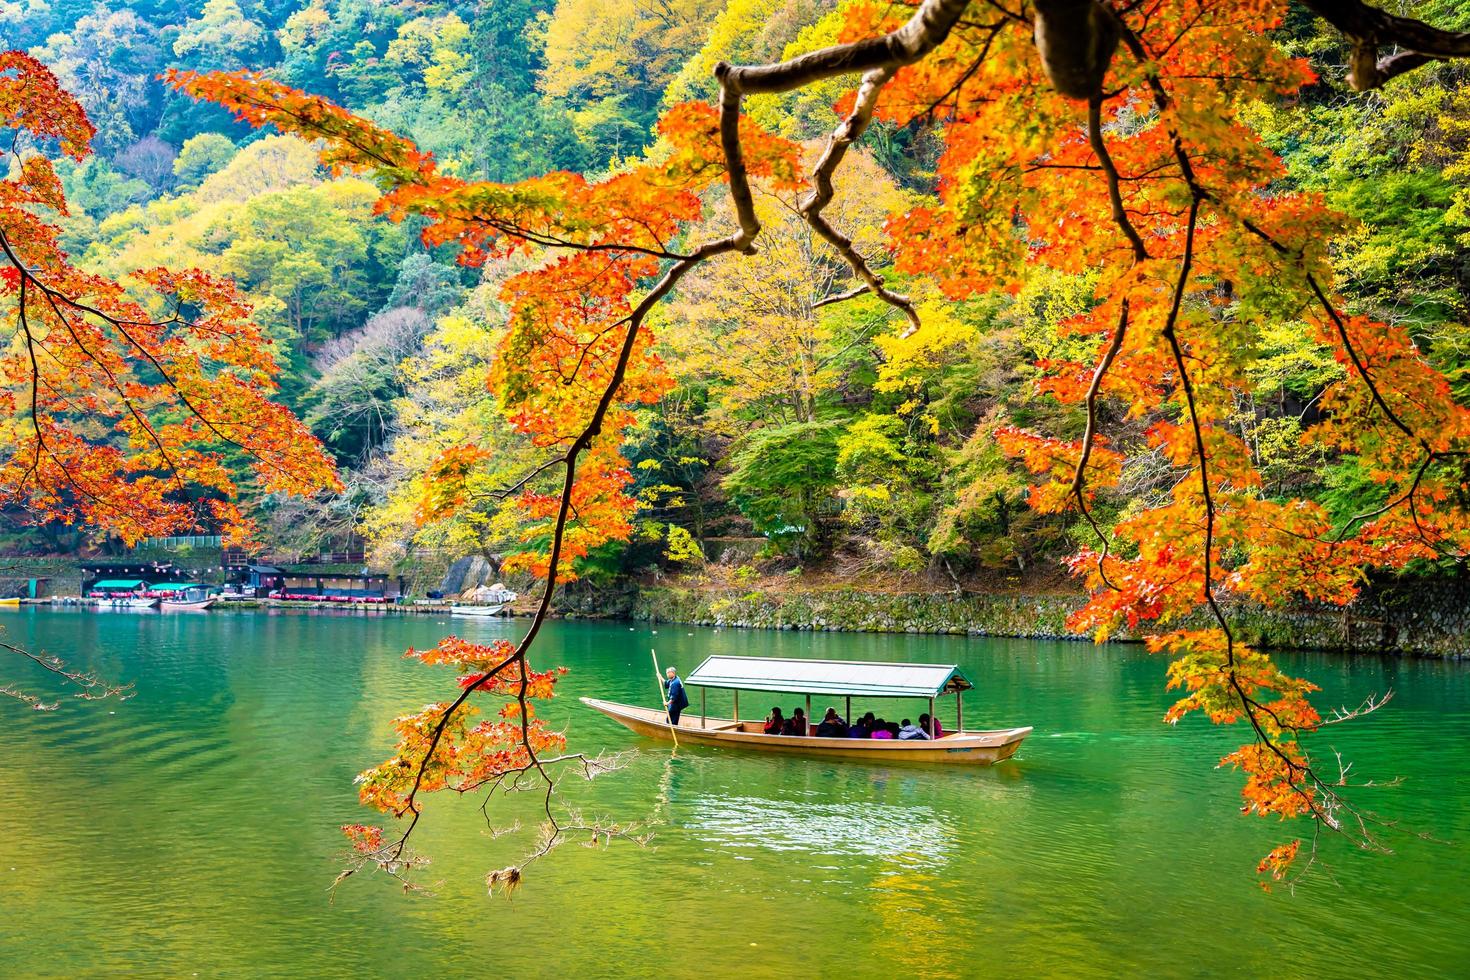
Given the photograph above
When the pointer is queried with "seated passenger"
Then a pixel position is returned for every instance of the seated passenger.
(861, 728)
(937, 731)
(796, 724)
(774, 722)
(832, 726)
(880, 729)
(910, 732)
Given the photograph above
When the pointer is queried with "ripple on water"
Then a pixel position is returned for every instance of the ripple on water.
(193, 828)
(911, 836)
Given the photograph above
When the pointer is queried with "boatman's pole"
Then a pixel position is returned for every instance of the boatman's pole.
(658, 678)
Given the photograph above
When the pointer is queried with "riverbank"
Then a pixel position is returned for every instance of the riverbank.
(1430, 619)
(1421, 617)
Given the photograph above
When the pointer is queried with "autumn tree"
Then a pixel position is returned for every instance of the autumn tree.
(1079, 137)
(129, 402)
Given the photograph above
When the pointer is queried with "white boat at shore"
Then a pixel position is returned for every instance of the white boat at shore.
(126, 602)
(184, 596)
(485, 601)
(184, 605)
(481, 611)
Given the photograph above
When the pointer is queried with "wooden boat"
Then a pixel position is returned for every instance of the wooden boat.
(185, 597)
(491, 610)
(184, 605)
(983, 748)
(830, 678)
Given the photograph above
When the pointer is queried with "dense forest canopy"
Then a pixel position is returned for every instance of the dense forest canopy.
(1188, 311)
(508, 91)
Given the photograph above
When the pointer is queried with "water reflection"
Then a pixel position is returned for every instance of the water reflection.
(911, 837)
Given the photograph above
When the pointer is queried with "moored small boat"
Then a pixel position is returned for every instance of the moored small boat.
(826, 678)
(491, 610)
(126, 602)
(184, 605)
(183, 597)
(12, 603)
(121, 594)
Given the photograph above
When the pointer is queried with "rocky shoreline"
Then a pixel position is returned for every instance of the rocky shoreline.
(1429, 619)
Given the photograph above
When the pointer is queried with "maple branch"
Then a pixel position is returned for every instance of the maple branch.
(1322, 812)
(1406, 496)
(633, 323)
(1115, 194)
(1140, 254)
(1431, 455)
(1207, 495)
(56, 298)
(33, 469)
(89, 686)
(1367, 28)
(848, 132)
(921, 34)
(520, 484)
(1079, 475)
(841, 297)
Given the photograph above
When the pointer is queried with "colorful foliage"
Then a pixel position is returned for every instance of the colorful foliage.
(127, 402)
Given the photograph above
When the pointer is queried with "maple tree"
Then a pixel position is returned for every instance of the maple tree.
(1079, 138)
(129, 405)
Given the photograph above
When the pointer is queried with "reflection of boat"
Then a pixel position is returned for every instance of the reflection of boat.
(830, 678)
(911, 836)
(490, 610)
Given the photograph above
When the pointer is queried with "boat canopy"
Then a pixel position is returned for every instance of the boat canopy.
(178, 586)
(858, 678)
(119, 584)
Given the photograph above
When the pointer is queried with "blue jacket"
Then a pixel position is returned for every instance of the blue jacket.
(678, 700)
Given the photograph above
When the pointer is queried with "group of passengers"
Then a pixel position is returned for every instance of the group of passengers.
(832, 726)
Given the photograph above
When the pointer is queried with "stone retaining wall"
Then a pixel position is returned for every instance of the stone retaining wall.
(1423, 618)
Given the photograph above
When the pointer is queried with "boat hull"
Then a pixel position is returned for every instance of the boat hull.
(965, 748)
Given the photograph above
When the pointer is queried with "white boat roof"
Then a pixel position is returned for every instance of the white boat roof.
(859, 678)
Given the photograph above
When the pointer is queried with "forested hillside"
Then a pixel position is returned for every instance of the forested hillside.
(836, 430)
(1169, 295)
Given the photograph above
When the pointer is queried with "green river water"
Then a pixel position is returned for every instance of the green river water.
(192, 830)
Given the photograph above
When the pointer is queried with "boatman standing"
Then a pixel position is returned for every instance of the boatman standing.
(677, 700)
